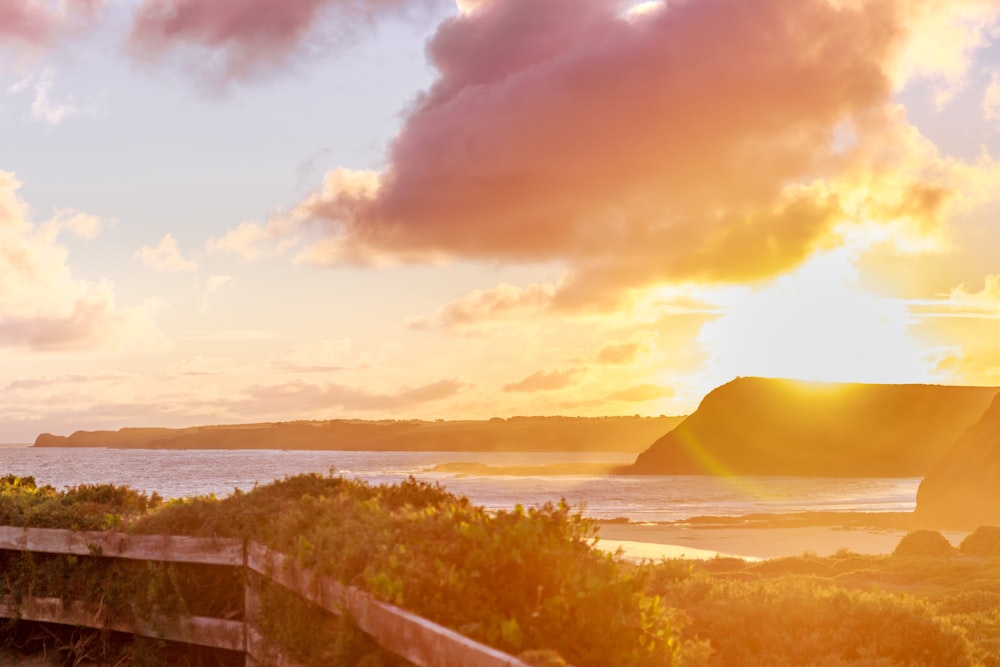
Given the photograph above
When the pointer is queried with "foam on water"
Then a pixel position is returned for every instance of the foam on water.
(184, 473)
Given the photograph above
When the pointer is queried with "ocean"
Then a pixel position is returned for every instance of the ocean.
(655, 499)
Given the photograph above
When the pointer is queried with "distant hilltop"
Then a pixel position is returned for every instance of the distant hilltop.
(757, 426)
(516, 434)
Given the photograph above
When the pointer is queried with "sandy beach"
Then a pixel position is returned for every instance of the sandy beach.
(706, 541)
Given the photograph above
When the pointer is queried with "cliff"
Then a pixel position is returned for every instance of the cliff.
(756, 426)
(963, 489)
(539, 434)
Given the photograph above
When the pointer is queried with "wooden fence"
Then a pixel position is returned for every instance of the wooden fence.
(421, 642)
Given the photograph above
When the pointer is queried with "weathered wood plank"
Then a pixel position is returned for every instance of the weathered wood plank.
(212, 632)
(167, 548)
(200, 630)
(324, 591)
(261, 652)
(422, 642)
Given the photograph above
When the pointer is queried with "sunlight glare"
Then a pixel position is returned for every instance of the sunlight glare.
(816, 324)
(643, 8)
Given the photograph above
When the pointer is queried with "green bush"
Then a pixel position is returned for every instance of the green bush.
(983, 542)
(520, 580)
(527, 580)
(924, 543)
(83, 507)
(794, 620)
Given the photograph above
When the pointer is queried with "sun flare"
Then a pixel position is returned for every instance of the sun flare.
(816, 324)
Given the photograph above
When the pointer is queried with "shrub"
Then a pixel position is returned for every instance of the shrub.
(924, 543)
(524, 580)
(520, 580)
(795, 620)
(983, 542)
(83, 507)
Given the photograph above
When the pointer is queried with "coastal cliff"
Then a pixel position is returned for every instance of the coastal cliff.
(757, 426)
(526, 434)
(963, 490)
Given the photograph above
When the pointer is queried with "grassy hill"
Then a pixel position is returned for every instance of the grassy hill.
(963, 490)
(516, 434)
(756, 426)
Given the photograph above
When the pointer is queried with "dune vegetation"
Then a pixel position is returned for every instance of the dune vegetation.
(528, 581)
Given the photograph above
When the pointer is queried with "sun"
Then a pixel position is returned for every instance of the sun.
(817, 324)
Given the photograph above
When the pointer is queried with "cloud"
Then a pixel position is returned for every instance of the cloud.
(82, 225)
(988, 296)
(213, 284)
(580, 135)
(505, 300)
(217, 282)
(250, 241)
(621, 353)
(991, 101)
(299, 396)
(975, 360)
(43, 308)
(567, 132)
(641, 393)
(166, 256)
(944, 36)
(545, 381)
(228, 335)
(44, 108)
(241, 40)
(37, 23)
(94, 322)
(317, 356)
(963, 303)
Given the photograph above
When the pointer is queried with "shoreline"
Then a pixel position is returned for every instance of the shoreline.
(762, 537)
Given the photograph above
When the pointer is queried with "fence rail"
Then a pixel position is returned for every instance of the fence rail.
(212, 632)
(416, 639)
(163, 548)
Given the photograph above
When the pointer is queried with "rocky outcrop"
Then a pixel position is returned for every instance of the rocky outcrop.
(963, 490)
(757, 426)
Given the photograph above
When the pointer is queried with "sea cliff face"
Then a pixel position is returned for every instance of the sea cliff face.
(963, 490)
(757, 426)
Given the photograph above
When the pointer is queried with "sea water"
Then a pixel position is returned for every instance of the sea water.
(646, 498)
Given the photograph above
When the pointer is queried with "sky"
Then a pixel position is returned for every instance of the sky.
(250, 210)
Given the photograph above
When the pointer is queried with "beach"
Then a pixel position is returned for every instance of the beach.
(655, 541)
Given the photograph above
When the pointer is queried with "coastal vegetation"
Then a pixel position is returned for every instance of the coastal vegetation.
(514, 434)
(528, 581)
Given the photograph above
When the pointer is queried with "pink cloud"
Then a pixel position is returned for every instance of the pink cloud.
(701, 141)
(561, 130)
(43, 307)
(249, 37)
(38, 23)
(486, 305)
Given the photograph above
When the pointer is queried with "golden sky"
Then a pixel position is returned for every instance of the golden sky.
(231, 212)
